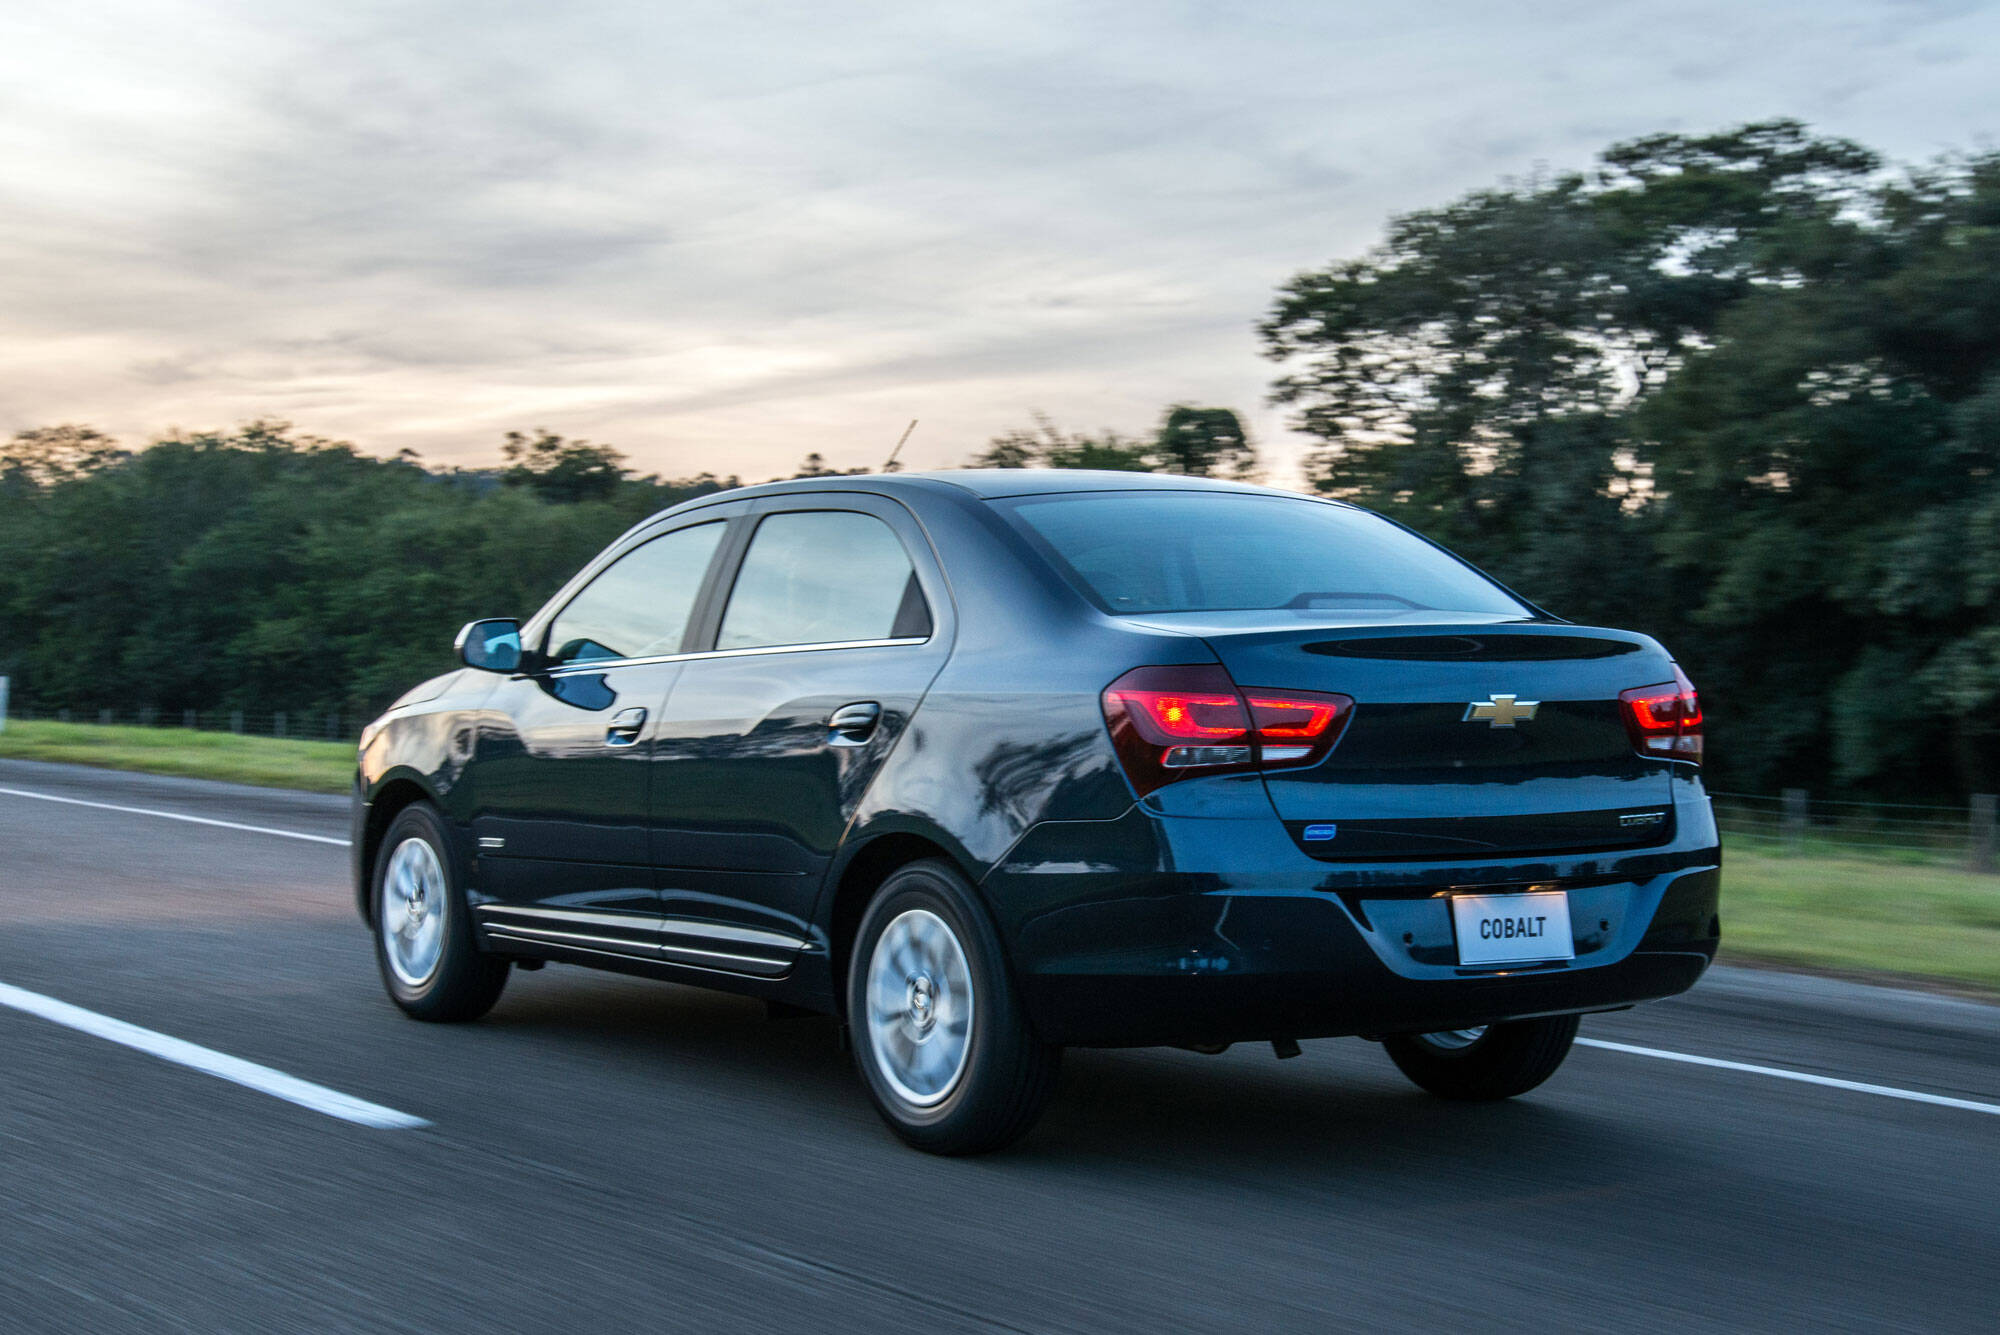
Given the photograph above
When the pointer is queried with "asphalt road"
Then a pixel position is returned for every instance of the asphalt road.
(607, 1154)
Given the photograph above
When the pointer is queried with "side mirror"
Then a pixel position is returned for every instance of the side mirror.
(491, 646)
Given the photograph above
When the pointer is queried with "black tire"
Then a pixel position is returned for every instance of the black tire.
(1506, 1060)
(1007, 1073)
(464, 982)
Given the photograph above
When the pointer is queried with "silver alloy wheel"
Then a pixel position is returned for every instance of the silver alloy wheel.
(414, 901)
(1454, 1040)
(919, 995)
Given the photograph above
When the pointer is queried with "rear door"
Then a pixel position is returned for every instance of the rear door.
(834, 625)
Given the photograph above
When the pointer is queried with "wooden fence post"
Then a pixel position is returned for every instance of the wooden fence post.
(1982, 836)
(1792, 823)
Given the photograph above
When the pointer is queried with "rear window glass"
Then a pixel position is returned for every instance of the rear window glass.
(823, 577)
(1157, 551)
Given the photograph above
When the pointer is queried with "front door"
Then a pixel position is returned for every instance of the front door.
(824, 647)
(563, 784)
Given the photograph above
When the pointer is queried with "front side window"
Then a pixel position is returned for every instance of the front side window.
(1162, 551)
(638, 606)
(823, 577)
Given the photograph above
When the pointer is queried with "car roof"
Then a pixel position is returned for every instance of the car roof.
(993, 483)
(982, 484)
(996, 483)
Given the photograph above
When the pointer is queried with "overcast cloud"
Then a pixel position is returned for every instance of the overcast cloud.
(721, 235)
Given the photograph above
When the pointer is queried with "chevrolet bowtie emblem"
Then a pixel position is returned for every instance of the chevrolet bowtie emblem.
(1501, 711)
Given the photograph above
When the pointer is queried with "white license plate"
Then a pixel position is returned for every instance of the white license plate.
(1513, 929)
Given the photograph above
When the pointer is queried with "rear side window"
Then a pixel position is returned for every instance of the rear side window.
(1156, 551)
(638, 606)
(823, 577)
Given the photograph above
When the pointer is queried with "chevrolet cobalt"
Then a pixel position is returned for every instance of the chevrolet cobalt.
(988, 764)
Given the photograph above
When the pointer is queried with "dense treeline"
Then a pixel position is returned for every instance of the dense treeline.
(263, 571)
(266, 571)
(1740, 391)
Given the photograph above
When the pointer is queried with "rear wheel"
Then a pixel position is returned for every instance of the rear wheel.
(1495, 1061)
(423, 934)
(939, 1034)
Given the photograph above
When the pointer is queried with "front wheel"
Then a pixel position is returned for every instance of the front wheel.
(1495, 1061)
(939, 1034)
(431, 965)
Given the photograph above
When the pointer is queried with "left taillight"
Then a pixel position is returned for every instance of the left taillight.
(1170, 723)
(1665, 720)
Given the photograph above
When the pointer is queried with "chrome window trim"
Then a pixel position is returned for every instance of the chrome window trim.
(600, 664)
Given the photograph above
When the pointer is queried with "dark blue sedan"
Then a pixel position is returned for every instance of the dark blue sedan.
(992, 763)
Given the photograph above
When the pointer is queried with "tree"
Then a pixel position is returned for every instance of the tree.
(561, 470)
(1203, 442)
(47, 455)
(1192, 440)
(1729, 388)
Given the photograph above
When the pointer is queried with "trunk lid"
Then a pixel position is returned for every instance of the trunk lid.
(1436, 760)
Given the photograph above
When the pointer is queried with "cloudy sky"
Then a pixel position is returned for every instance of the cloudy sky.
(721, 235)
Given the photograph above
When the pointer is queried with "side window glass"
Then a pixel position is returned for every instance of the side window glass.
(638, 606)
(823, 577)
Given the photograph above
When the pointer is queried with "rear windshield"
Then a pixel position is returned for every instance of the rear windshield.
(1162, 551)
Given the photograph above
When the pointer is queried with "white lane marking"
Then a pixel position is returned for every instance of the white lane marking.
(233, 1069)
(175, 815)
(1803, 1077)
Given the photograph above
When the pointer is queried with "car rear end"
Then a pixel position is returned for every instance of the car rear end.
(1374, 791)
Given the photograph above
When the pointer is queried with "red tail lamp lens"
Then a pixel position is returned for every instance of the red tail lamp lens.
(1294, 717)
(1665, 720)
(1171, 723)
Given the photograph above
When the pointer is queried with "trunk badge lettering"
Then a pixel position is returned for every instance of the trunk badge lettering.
(1315, 833)
(1501, 711)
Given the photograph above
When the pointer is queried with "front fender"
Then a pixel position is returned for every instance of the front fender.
(417, 751)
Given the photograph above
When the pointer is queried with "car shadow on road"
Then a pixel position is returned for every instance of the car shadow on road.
(1339, 1114)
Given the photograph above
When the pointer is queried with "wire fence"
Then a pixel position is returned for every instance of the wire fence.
(299, 725)
(1796, 822)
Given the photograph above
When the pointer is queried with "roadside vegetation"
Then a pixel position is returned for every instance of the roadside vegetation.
(1862, 916)
(320, 767)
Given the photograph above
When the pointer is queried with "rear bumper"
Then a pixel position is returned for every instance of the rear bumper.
(1151, 930)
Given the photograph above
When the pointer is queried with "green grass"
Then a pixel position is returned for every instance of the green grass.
(320, 767)
(1862, 916)
(1831, 913)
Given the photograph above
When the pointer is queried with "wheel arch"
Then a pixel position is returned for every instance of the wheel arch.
(392, 795)
(873, 861)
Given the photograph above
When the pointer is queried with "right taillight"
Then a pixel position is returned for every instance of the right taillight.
(1171, 723)
(1665, 720)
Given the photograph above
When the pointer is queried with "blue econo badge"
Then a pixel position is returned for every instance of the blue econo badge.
(1316, 833)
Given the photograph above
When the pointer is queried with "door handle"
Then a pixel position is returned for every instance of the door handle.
(626, 726)
(853, 725)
